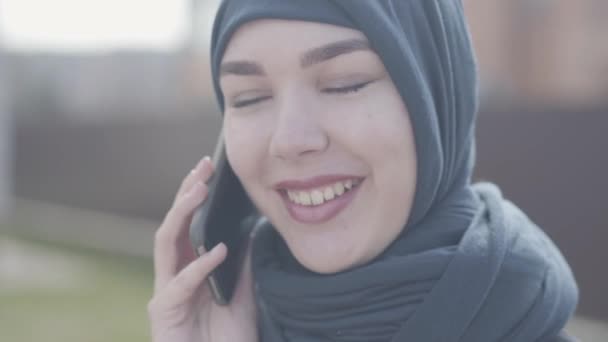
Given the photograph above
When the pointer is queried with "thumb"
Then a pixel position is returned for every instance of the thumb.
(183, 287)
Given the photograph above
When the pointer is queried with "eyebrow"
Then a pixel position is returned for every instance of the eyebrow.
(333, 50)
(308, 59)
(241, 68)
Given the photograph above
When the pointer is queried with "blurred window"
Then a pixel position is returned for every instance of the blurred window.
(528, 15)
(599, 10)
(92, 25)
(535, 7)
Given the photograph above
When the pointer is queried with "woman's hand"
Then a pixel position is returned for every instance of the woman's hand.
(182, 308)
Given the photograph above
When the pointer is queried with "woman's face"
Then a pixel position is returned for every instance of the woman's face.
(320, 138)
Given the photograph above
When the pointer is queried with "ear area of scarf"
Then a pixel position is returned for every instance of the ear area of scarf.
(504, 281)
(469, 265)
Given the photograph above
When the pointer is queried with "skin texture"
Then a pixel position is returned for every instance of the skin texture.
(299, 123)
(286, 121)
(182, 308)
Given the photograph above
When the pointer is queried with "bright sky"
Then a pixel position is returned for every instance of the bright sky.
(77, 25)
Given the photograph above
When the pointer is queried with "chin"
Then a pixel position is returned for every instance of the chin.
(325, 267)
(324, 261)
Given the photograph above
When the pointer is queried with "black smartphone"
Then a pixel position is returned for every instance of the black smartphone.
(225, 216)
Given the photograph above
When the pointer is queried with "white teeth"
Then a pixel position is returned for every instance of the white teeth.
(317, 197)
(328, 193)
(320, 196)
(294, 197)
(348, 184)
(339, 188)
(305, 198)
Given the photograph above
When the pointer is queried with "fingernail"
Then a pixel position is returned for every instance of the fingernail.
(200, 163)
(206, 159)
(216, 248)
(201, 250)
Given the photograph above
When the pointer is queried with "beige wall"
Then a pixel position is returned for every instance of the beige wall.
(545, 52)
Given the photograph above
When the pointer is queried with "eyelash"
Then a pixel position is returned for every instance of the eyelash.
(346, 90)
(245, 103)
(337, 91)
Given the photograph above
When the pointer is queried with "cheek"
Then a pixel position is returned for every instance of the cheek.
(383, 136)
(247, 140)
(395, 155)
(376, 128)
(390, 122)
(244, 148)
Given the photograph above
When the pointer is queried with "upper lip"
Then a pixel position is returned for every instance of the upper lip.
(313, 182)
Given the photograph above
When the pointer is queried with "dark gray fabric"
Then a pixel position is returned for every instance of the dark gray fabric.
(469, 265)
(503, 281)
(564, 337)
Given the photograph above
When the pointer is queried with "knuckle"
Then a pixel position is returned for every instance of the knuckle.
(164, 235)
(177, 213)
(176, 204)
(186, 204)
(178, 207)
(207, 172)
(182, 282)
(153, 306)
(187, 178)
(160, 235)
(184, 181)
(187, 281)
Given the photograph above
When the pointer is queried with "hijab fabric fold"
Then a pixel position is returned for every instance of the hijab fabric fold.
(469, 265)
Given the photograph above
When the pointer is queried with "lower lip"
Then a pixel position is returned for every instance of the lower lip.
(320, 213)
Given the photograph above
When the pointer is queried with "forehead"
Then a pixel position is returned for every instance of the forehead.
(283, 37)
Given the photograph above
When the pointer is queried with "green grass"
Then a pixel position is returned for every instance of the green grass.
(107, 303)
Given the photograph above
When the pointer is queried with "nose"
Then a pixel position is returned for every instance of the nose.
(298, 131)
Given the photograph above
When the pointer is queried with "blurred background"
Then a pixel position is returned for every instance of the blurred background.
(106, 105)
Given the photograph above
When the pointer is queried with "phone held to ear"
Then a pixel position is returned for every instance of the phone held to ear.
(225, 216)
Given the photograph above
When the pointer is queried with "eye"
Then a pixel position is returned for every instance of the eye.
(346, 90)
(249, 102)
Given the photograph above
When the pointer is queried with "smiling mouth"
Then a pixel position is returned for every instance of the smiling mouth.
(318, 196)
(320, 204)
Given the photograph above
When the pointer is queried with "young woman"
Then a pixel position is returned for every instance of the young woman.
(351, 126)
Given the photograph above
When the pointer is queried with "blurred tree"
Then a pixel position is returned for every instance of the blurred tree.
(6, 142)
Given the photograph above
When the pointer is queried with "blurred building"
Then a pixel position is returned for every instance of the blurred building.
(116, 131)
(544, 53)
(6, 146)
(118, 86)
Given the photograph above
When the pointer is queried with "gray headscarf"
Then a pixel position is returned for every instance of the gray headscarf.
(469, 265)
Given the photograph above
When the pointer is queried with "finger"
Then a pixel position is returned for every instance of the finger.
(192, 176)
(201, 172)
(173, 230)
(183, 286)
